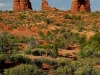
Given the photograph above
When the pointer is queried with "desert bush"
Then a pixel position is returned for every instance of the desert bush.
(41, 34)
(60, 42)
(58, 24)
(94, 61)
(49, 21)
(95, 28)
(63, 62)
(60, 71)
(66, 16)
(54, 50)
(48, 61)
(48, 36)
(37, 52)
(87, 70)
(28, 50)
(21, 16)
(6, 45)
(1, 19)
(79, 18)
(94, 15)
(31, 42)
(80, 28)
(55, 31)
(74, 38)
(67, 55)
(74, 17)
(37, 62)
(10, 11)
(72, 22)
(62, 30)
(45, 60)
(19, 59)
(24, 69)
(23, 39)
(75, 58)
(91, 48)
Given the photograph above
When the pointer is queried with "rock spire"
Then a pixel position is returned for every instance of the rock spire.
(45, 5)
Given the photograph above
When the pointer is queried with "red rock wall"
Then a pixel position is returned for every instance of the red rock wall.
(21, 5)
(80, 5)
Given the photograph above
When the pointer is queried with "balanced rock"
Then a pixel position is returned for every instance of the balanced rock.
(80, 5)
(21, 5)
(45, 5)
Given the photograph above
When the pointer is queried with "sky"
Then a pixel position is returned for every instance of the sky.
(60, 4)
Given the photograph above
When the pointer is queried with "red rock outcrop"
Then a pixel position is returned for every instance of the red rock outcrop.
(54, 8)
(21, 5)
(45, 5)
(80, 5)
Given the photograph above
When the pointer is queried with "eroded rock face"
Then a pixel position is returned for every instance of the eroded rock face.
(80, 5)
(21, 5)
(45, 5)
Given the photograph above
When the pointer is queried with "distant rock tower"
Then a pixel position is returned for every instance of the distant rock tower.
(45, 5)
(80, 5)
(21, 5)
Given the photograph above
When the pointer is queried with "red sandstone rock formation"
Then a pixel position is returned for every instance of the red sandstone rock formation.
(21, 5)
(80, 5)
(16, 4)
(54, 8)
(45, 5)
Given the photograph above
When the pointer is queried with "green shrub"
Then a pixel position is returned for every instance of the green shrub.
(38, 63)
(58, 24)
(67, 55)
(41, 34)
(92, 47)
(87, 70)
(80, 28)
(49, 21)
(56, 31)
(74, 17)
(7, 45)
(37, 52)
(66, 16)
(1, 19)
(20, 59)
(24, 69)
(31, 42)
(48, 36)
(60, 71)
(54, 50)
(62, 30)
(21, 16)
